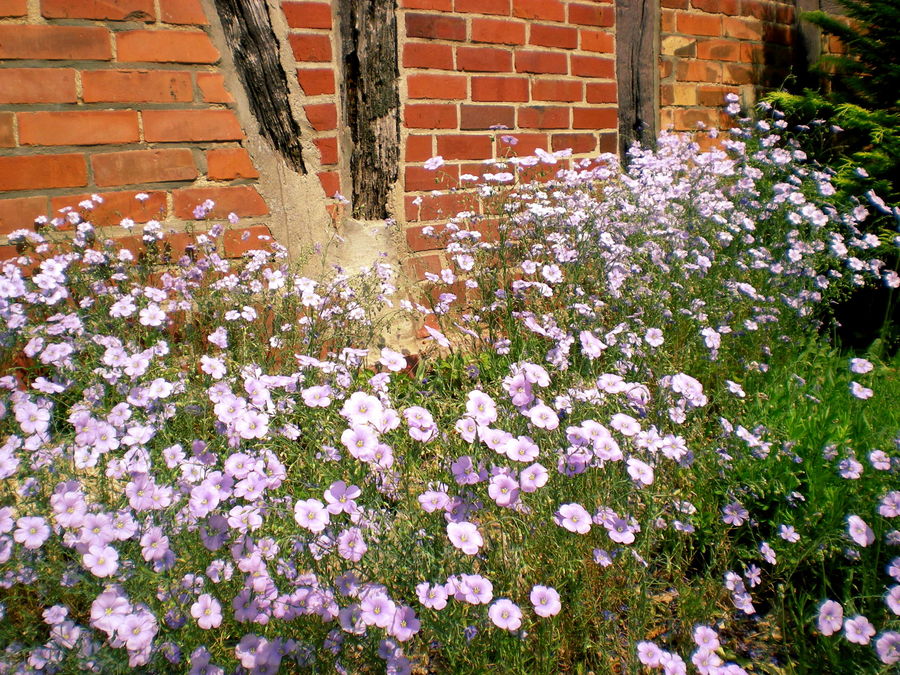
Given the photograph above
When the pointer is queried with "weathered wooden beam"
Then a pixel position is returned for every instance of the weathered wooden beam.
(248, 30)
(368, 36)
(637, 71)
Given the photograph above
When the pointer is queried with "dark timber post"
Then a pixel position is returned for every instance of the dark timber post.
(248, 30)
(368, 36)
(637, 70)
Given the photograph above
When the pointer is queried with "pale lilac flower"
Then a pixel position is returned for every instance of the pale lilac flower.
(887, 646)
(768, 553)
(393, 361)
(859, 531)
(533, 477)
(543, 417)
(654, 337)
(505, 614)
(788, 533)
(102, 561)
(574, 518)
(892, 599)
(860, 366)
(620, 531)
(890, 504)
(831, 617)
(311, 514)
(649, 654)
(545, 601)
(465, 536)
(860, 392)
(504, 490)
(640, 472)
(432, 596)
(434, 163)
(207, 611)
(625, 424)
(858, 629)
(341, 498)
(317, 396)
(405, 624)
(31, 532)
(481, 407)
(474, 589)
(706, 638)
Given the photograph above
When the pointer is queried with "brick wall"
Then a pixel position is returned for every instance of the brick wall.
(543, 70)
(115, 98)
(121, 96)
(711, 47)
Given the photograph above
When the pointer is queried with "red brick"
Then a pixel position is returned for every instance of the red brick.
(191, 125)
(759, 10)
(498, 7)
(165, 46)
(316, 81)
(328, 150)
(473, 117)
(499, 89)
(597, 41)
(427, 85)
(435, 26)
(525, 144)
(311, 47)
(42, 171)
(688, 119)
(675, 4)
(426, 55)
(90, 127)
(729, 7)
(112, 10)
(243, 200)
(577, 143)
(667, 21)
(601, 92)
(541, 62)
(464, 147)
(713, 96)
(330, 182)
(37, 85)
(135, 167)
(307, 14)
(417, 178)
(609, 143)
(498, 31)
(437, 5)
(564, 37)
(595, 118)
(543, 117)
(430, 116)
(212, 88)
(697, 71)
(135, 86)
(20, 214)
(7, 130)
(418, 267)
(55, 43)
(416, 240)
(699, 24)
(778, 33)
(13, 7)
(556, 90)
(593, 66)
(182, 12)
(118, 205)
(229, 164)
(418, 148)
(592, 15)
(483, 60)
(742, 29)
(719, 50)
(437, 206)
(238, 242)
(550, 10)
(322, 116)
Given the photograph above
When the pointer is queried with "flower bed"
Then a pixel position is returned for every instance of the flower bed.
(624, 450)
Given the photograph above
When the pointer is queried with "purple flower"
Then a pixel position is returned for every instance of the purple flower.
(341, 498)
(432, 596)
(465, 536)
(505, 614)
(858, 629)
(405, 624)
(574, 518)
(311, 514)
(860, 366)
(620, 531)
(860, 392)
(102, 561)
(31, 532)
(545, 601)
(859, 531)
(377, 609)
(207, 611)
(474, 589)
(533, 477)
(543, 417)
(831, 617)
(649, 654)
(888, 647)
